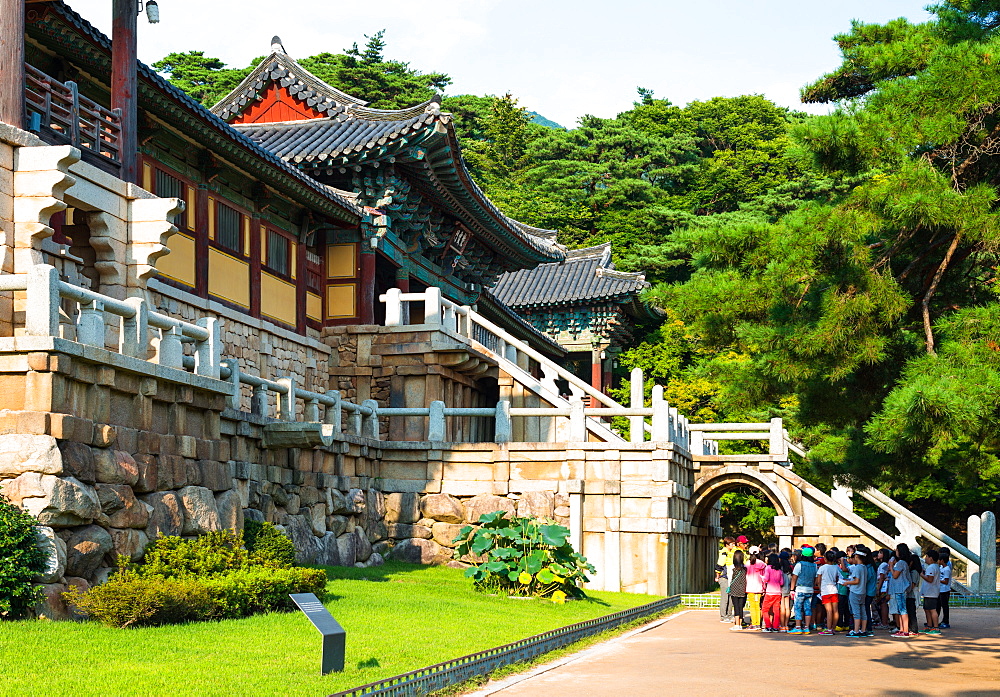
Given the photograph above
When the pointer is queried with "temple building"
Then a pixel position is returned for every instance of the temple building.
(584, 305)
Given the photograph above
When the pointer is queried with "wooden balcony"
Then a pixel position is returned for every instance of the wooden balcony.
(60, 115)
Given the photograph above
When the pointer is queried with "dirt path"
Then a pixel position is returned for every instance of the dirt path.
(693, 654)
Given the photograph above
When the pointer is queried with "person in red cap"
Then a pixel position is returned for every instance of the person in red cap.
(742, 541)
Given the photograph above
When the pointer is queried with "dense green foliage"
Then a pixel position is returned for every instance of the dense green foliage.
(213, 576)
(278, 653)
(523, 556)
(266, 546)
(20, 559)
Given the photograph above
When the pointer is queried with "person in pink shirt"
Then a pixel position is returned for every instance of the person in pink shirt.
(755, 586)
(773, 578)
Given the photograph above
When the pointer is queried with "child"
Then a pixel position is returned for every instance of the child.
(883, 588)
(843, 607)
(870, 591)
(899, 584)
(916, 566)
(803, 578)
(930, 589)
(944, 560)
(856, 584)
(738, 589)
(786, 588)
(755, 587)
(827, 577)
(774, 580)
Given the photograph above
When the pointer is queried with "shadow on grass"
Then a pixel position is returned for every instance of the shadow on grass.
(368, 663)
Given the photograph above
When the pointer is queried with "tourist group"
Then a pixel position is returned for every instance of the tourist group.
(855, 590)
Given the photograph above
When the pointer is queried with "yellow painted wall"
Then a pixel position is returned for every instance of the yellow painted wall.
(340, 261)
(277, 299)
(314, 307)
(340, 301)
(228, 278)
(179, 264)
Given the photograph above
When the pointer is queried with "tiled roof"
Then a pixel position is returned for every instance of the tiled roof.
(208, 118)
(585, 276)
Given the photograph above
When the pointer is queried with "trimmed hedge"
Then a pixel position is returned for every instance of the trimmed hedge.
(215, 576)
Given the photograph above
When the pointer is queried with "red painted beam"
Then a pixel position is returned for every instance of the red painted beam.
(12, 62)
(124, 83)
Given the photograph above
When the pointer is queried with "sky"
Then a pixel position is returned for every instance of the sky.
(561, 59)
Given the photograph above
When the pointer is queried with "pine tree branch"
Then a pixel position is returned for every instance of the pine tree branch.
(926, 304)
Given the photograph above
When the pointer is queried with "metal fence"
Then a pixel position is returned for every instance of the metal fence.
(437, 677)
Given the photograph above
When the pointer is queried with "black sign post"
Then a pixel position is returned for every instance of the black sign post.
(334, 636)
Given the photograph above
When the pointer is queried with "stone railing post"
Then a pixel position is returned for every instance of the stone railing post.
(776, 438)
(504, 431)
(332, 415)
(90, 327)
(311, 412)
(988, 554)
(697, 443)
(432, 306)
(258, 401)
(636, 423)
(577, 421)
(393, 307)
(436, 423)
(286, 401)
(975, 545)
(135, 330)
(369, 424)
(171, 349)
(42, 313)
(209, 352)
(234, 381)
(661, 416)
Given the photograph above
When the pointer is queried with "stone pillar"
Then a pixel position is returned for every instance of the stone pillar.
(988, 554)
(975, 546)
(12, 60)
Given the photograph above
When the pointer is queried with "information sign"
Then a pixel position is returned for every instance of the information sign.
(334, 636)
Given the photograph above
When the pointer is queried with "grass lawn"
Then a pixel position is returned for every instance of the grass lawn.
(398, 617)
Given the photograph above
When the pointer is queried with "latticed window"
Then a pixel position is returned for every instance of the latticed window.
(168, 186)
(229, 234)
(278, 253)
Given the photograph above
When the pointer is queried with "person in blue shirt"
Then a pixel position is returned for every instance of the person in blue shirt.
(803, 579)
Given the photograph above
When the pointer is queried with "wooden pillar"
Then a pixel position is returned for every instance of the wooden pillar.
(596, 375)
(366, 287)
(124, 93)
(301, 277)
(12, 62)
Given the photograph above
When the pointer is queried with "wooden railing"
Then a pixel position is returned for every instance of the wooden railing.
(57, 108)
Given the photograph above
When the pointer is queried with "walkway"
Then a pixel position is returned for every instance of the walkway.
(693, 654)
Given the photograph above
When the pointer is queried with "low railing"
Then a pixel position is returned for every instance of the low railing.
(58, 108)
(132, 318)
(773, 432)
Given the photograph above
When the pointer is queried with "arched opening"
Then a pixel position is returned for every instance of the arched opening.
(745, 492)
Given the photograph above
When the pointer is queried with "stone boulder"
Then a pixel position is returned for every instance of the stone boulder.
(115, 467)
(444, 508)
(375, 559)
(309, 496)
(27, 485)
(402, 507)
(337, 524)
(150, 479)
(487, 503)
(337, 502)
(85, 550)
(403, 531)
(317, 517)
(201, 515)
(347, 549)
(51, 605)
(20, 453)
(121, 506)
(128, 542)
(215, 475)
(278, 495)
(536, 504)
(299, 530)
(356, 501)
(230, 508)
(78, 461)
(363, 546)
(65, 502)
(294, 505)
(328, 554)
(417, 551)
(253, 514)
(55, 554)
(445, 533)
(167, 516)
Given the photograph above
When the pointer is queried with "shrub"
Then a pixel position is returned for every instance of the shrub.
(20, 559)
(130, 600)
(524, 556)
(250, 591)
(267, 546)
(211, 553)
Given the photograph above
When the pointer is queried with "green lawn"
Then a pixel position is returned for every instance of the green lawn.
(398, 617)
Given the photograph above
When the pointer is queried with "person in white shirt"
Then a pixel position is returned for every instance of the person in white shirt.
(930, 589)
(944, 561)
